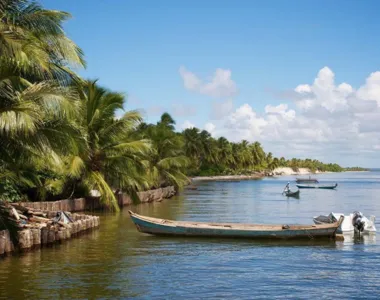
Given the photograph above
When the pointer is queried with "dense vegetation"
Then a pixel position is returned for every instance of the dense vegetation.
(60, 137)
(356, 169)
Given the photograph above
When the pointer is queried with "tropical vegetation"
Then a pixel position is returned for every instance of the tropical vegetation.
(63, 136)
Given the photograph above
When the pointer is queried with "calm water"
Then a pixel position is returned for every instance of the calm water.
(118, 262)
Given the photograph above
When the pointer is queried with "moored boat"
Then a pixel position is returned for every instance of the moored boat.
(306, 180)
(353, 223)
(233, 230)
(317, 186)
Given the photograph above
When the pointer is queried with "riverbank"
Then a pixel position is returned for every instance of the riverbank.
(37, 227)
(228, 177)
(286, 171)
(283, 171)
(93, 203)
(38, 231)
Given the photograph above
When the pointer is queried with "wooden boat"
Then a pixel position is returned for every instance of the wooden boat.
(292, 194)
(316, 186)
(233, 230)
(306, 180)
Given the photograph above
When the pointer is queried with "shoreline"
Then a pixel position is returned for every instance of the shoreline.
(283, 171)
(228, 177)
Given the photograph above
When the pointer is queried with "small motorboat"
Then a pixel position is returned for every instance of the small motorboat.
(233, 230)
(317, 186)
(353, 223)
(306, 180)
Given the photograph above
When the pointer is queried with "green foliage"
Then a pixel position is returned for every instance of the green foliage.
(9, 192)
(62, 136)
(356, 169)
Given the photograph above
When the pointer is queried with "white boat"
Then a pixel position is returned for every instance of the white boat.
(353, 223)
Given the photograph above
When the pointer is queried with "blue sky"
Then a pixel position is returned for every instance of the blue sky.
(269, 48)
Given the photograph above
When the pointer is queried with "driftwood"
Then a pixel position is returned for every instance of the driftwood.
(38, 214)
(15, 213)
(38, 227)
(39, 219)
(20, 207)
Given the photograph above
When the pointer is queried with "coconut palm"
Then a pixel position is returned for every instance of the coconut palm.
(33, 45)
(36, 130)
(167, 161)
(209, 149)
(225, 151)
(258, 154)
(193, 145)
(113, 159)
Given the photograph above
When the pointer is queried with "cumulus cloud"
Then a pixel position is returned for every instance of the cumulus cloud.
(210, 127)
(220, 84)
(327, 119)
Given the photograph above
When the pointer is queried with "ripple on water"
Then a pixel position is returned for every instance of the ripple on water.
(117, 262)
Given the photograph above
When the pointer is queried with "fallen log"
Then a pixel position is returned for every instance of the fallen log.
(39, 219)
(21, 208)
(15, 213)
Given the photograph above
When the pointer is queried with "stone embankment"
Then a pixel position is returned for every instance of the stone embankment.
(37, 227)
(38, 231)
(93, 203)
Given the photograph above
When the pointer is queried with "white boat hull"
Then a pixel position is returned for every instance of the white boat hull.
(347, 224)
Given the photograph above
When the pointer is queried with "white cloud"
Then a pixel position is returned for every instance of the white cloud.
(245, 123)
(323, 93)
(281, 110)
(219, 86)
(210, 127)
(221, 109)
(187, 124)
(371, 90)
(330, 121)
(190, 80)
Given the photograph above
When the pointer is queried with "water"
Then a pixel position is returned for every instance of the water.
(117, 262)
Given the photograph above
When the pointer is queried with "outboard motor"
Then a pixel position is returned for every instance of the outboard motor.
(357, 221)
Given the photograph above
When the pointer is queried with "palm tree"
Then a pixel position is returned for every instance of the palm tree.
(193, 144)
(167, 120)
(113, 159)
(209, 150)
(258, 154)
(225, 151)
(33, 45)
(274, 164)
(167, 161)
(35, 109)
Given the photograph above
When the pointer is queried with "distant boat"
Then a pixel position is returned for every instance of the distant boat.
(233, 230)
(292, 194)
(317, 186)
(306, 180)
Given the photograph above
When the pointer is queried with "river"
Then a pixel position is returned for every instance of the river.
(118, 262)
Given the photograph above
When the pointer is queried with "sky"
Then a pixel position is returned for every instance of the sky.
(300, 77)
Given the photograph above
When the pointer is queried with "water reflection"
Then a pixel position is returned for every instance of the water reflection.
(117, 261)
